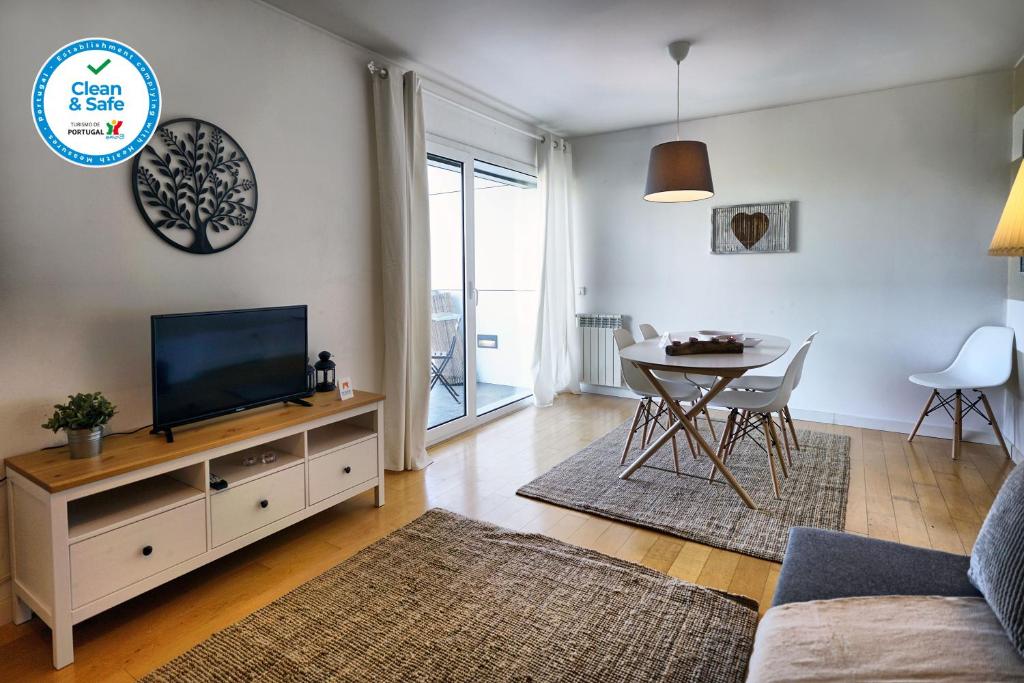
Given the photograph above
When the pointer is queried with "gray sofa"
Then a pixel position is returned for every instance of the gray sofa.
(850, 608)
(823, 565)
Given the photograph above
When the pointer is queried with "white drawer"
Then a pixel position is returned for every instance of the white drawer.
(103, 564)
(236, 511)
(342, 469)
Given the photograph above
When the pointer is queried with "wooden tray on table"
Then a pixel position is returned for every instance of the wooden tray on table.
(695, 346)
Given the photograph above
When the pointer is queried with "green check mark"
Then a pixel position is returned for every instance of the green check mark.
(97, 69)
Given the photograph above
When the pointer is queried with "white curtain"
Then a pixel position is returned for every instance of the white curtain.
(405, 256)
(556, 352)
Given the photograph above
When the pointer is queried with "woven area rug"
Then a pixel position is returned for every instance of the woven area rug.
(710, 513)
(447, 598)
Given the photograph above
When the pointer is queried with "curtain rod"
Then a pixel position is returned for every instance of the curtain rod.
(382, 72)
(459, 105)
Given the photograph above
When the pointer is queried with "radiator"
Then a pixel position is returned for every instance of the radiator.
(599, 358)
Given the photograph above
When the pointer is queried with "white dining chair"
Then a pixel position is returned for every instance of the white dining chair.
(651, 409)
(758, 407)
(771, 383)
(704, 382)
(985, 361)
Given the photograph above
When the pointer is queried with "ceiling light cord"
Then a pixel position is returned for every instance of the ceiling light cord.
(678, 96)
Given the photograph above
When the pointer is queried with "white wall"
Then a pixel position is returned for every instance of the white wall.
(80, 273)
(897, 193)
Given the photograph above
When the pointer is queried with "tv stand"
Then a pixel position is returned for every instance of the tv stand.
(89, 534)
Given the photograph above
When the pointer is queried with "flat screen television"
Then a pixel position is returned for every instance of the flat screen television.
(219, 362)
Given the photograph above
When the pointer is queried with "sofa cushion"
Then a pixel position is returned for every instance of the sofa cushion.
(883, 638)
(821, 564)
(997, 563)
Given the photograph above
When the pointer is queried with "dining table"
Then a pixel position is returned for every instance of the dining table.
(654, 362)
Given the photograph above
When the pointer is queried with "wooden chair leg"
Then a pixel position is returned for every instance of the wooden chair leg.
(675, 447)
(778, 445)
(658, 415)
(711, 425)
(958, 423)
(785, 437)
(995, 425)
(742, 425)
(653, 409)
(935, 392)
(693, 449)
(771, 457)
(727, 431)
(647, 422)
(792, 429)
(632, 431)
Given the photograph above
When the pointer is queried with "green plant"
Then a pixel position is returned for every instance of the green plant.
(82, 411)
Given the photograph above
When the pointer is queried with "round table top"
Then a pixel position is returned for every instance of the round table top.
(649, 353)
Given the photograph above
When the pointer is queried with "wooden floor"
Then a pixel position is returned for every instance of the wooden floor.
(912, 493)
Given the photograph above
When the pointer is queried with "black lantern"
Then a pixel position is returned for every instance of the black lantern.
(325, 372)
(310, 377)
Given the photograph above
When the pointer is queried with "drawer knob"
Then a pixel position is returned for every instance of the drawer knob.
(264, 503)
(347, 470)
(147, 551)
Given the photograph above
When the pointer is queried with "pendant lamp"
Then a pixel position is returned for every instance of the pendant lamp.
(679, 171)
(1009, 237)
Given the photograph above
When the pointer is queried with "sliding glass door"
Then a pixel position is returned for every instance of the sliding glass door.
(448, 383)
(507, 254)
(486, 242)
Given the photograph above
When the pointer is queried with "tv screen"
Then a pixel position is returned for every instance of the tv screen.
(209, 364)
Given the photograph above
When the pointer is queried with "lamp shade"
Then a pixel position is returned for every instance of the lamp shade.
(1009, 237)
(679, 171)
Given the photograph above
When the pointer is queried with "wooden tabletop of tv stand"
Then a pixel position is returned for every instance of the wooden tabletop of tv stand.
(55, 471)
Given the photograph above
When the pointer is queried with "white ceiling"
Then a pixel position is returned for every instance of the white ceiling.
(586, 66)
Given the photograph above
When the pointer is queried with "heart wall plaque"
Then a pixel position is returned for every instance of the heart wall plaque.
(751, 228)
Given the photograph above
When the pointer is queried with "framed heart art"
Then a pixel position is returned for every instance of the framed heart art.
(750, 228)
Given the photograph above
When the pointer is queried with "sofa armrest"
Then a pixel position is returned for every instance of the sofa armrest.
(821, 565)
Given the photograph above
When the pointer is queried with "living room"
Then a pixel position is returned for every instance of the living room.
(462, 341)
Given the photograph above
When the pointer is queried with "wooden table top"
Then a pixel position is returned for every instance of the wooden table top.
(55, 471)
(651, 354)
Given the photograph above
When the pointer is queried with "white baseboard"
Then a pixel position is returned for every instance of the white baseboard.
(821, 417)
(888, 425)
(621, 392)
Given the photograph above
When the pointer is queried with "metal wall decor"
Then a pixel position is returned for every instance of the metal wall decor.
(750, 228)
(195, 186)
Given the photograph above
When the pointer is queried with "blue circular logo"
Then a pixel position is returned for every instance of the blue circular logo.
(96, 102)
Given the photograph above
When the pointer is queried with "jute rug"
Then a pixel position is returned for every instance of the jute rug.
(450, 599)
(710, 513)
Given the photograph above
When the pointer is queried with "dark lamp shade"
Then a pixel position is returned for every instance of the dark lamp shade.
(679, 171)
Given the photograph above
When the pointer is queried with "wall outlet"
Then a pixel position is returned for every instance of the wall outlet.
(582, 291)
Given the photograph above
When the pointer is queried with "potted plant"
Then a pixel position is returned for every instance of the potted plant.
(82, 417)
